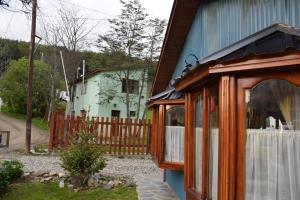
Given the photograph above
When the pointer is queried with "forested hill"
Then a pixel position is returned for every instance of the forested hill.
(14, 50)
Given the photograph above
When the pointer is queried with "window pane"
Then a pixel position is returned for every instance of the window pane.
(272, 141)
(174, 134)
(213, 109)
(198, 142)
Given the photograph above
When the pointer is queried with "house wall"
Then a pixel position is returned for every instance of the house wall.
(175, 180)
(103, 83)
(219, 23)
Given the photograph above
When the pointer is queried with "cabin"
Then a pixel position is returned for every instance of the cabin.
(102, 93)
(226, 100)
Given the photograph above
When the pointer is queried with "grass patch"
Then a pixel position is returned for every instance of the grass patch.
(36, 121)
(51, 191)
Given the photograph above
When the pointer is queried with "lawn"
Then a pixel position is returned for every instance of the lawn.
(51, 191)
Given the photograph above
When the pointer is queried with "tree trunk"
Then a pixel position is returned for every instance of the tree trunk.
(127, 94)
(140, 94)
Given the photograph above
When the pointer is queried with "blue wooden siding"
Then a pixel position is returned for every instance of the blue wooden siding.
(175, 180)
(219, 23)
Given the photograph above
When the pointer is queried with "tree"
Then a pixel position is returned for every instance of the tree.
(5, 3)
(154, 37)
(13, 87)
(126, 36)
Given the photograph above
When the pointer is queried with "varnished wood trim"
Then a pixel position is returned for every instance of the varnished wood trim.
(171, 166)
(191, 194)
(194, 76)
(258, 63)
(167, 102)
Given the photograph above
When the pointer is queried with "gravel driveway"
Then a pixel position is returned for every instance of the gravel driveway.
(17, 130)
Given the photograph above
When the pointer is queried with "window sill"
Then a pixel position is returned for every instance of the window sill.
(171, 166)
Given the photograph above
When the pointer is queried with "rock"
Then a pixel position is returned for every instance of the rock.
(109, 185)
(39, 173)
(45, 175)
(26, 174)
(42, 180)
(76, 189)
(93, 181)
(48, 178)
(117, 183)
(61, 175)
(70, 186)
(52, 174)
(61, 184)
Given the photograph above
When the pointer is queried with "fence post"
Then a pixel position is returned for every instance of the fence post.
(149, 136)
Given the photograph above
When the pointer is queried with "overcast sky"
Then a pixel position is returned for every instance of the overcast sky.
(16, 25)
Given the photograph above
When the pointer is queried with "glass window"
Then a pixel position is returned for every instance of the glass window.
(174, 134)
(272, 141)
(198, 142)
(213, 116)
(133, 86)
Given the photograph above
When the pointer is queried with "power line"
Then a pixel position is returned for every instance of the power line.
(87, 8)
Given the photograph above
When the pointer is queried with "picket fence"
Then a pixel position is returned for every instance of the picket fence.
(117, 136)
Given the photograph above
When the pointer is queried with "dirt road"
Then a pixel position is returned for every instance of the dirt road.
(17, 133)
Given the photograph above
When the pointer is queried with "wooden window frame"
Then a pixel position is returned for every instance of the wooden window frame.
(226, 148)
(159, 111)
(245, 83)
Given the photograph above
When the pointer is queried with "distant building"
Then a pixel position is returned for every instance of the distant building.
(103, 93)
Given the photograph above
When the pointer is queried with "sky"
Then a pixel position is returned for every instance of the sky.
(16, 25)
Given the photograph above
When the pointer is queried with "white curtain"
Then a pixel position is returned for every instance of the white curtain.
(272, 165)
(174, 144)
(198, 158)
(213, 168)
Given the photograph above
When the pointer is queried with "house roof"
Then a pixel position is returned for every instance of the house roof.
(96, 71)
(271, 40)
(181, 19)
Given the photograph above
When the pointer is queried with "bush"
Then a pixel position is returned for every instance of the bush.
(9, 171)
(13, 169)
(83, 158)
(3, 182)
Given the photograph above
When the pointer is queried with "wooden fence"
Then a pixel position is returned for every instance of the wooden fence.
(117, 136)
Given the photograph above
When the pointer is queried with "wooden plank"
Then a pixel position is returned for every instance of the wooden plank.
(111, 134)
(67, 142)
(143, 136)
(56, 130)
(134, 136)
(120, 136)
(116, 133)
(139, 136)
(96, 130)
(149, 134)
(129, 136)
(72, 126)
(125, 136)
(62, 130)
(101, 129)
(52, 128)
(106, 131)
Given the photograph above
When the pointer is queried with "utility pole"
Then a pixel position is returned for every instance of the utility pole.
(30, 77)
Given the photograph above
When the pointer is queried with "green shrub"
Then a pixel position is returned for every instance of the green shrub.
(83, 158)
(13, 169)
(3, 182)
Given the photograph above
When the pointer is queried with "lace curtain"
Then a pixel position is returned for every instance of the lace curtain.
(213, 163)
(272, 165)
(198, 158)
(174, 144)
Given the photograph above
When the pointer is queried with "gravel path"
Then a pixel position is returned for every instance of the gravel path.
(148, 176)
(115, 166)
